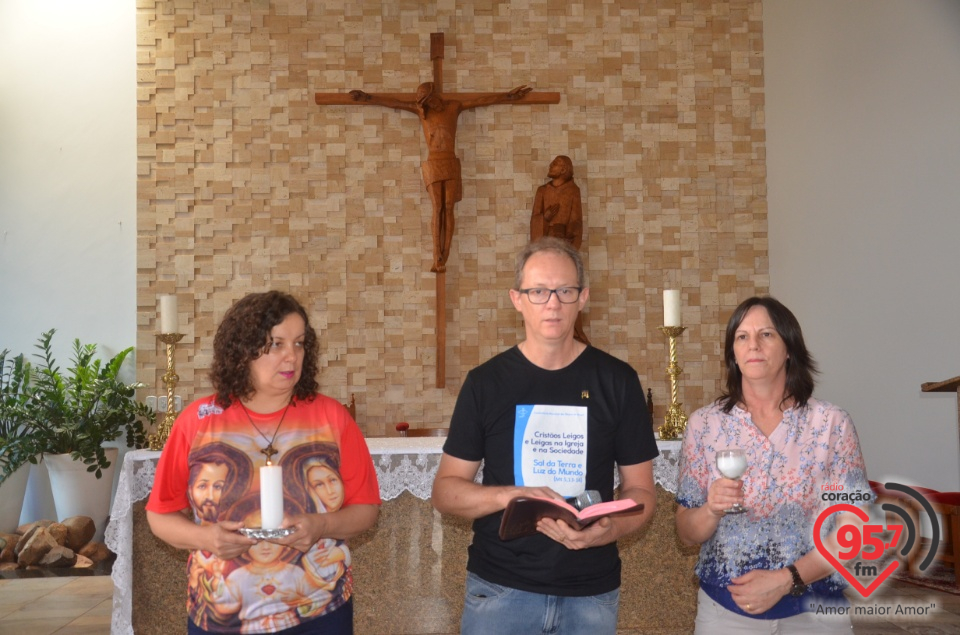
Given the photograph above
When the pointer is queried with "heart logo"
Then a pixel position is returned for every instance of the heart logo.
(854, 582)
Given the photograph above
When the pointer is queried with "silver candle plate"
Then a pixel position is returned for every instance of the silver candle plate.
(260, 533)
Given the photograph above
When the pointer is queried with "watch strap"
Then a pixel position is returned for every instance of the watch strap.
(799, 587)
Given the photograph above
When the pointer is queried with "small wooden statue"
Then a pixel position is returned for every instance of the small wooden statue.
(558, 212)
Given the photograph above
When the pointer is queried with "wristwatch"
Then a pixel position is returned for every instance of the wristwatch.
(799, 588)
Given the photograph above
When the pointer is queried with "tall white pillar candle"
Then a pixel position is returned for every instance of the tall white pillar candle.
(271, 496)
(169, 319)
(671, 307)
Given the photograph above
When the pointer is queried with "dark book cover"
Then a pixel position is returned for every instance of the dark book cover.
(522, 513)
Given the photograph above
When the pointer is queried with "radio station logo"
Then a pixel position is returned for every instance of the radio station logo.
(866, 545)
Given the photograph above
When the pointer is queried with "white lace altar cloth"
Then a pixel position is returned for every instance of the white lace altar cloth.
(402, 465)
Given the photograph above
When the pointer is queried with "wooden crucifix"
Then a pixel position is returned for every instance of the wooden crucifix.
(438, 113)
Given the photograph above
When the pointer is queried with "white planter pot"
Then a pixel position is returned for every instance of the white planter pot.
(77, 492)
(12, 492)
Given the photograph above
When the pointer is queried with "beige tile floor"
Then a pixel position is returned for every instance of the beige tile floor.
(66, 606)
(82, 606)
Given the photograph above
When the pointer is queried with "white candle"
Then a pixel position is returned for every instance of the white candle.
(169, 319)
(671, 307)
(271, 496)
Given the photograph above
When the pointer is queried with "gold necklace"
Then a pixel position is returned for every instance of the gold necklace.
(268, 451)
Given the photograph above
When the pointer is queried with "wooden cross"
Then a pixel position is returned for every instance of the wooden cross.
(269, 452)
(438, 112)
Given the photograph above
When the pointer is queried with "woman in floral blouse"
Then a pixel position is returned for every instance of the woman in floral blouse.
(762, 565)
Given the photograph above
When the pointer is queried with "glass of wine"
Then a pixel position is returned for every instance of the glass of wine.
(732, 463)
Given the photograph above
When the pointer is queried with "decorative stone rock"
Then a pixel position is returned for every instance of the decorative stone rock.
(80, 530)
(96, 551)
(36, 547)
(59, 557)
(32, 528)
(49, 544)
(22, 529)
(6, 549)
(59, 532)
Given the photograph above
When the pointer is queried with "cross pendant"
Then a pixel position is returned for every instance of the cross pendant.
(269, 452)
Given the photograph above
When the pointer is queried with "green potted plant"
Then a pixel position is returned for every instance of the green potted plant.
(16, 442)
(73, 413)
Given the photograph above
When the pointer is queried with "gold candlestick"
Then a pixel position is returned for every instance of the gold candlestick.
(170, 379)
(675, 423)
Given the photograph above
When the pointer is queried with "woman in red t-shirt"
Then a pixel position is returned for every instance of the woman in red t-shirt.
(266, 412)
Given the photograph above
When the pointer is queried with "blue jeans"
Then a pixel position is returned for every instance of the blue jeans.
(491, 608)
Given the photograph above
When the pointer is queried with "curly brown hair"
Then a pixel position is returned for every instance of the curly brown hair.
(244, 335)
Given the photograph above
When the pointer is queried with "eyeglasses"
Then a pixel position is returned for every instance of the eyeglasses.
(539, 295)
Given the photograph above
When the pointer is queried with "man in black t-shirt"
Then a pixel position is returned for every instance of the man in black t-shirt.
(550, 417)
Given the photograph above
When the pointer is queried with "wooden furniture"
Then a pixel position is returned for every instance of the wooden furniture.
(946, 505)
(404, 429)
(950, 385)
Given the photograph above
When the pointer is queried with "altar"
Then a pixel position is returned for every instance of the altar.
(409, 569)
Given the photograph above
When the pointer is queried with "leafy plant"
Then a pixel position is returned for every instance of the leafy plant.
(16, 442)
(77, 411)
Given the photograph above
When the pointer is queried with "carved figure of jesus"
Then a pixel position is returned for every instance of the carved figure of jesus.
(441, 170)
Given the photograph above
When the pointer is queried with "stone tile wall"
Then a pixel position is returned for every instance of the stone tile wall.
(245, 184)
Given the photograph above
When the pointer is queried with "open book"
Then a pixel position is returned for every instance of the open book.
(522, 513)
